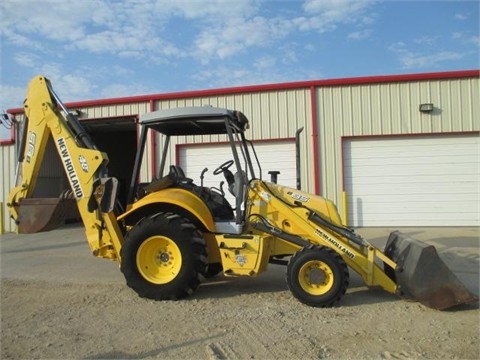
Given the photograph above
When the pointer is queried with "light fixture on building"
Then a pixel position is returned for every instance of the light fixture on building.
(426, 108)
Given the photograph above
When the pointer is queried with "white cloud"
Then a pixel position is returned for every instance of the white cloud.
(412, 60)
(359, 35)
(125, 27)
(212, 9)
(223, 76)
(11, 96)
(125, 90)
(265, 62)
(237, 34)
(426, 40)
(466, 38)
(54, 20)
(326, 15)
(398, 47)
(68, 86)
(460, 17)
(26, 59)
(457, 35)
(213, 43)
(140, 29)
(474, 40)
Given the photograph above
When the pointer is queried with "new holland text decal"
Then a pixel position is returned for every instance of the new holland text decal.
(335, 243)
(69, 168)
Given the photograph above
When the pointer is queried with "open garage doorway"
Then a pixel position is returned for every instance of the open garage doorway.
(117, 137)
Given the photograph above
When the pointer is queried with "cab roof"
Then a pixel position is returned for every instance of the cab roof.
(196, 120)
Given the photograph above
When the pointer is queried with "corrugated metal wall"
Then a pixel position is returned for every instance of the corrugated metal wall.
(97, 112)
(348, 110)
(8, 163)
(389, 109)
(272, 115)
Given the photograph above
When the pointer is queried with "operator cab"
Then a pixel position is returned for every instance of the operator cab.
(200, 121)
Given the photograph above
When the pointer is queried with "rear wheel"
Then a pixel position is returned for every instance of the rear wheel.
(317, 276)
(164, 257)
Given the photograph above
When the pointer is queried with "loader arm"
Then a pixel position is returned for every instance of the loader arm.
(409, 268)
(301, 221)
(83, 163)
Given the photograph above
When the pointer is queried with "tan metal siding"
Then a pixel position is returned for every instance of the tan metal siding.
(389, 109)
(272, 115)
(346, 110)
(8, 163)
(106, 111)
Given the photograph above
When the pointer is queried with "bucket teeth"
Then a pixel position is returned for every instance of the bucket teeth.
(422, 276)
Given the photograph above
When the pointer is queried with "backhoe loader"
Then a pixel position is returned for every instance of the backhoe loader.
(174, 232)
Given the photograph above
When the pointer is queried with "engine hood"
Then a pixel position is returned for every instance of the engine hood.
(322, 206)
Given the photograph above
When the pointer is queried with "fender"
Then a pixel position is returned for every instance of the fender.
(175, 196)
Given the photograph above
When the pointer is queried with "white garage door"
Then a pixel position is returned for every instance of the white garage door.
(273, 156)
(427, 181)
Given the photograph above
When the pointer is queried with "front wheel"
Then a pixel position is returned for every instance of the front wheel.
(317, 276)
(164, 257)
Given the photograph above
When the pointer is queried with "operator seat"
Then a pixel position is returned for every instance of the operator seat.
(177, 171)
(174, 177)
(238, 189)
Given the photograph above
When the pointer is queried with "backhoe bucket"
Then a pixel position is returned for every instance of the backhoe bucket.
(422, 276)
(43, 214)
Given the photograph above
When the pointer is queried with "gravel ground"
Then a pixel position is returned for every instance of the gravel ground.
(59, 302)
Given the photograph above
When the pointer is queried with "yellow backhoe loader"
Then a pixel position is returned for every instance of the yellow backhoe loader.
(174, 232)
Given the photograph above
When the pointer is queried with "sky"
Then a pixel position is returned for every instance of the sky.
(97, 49)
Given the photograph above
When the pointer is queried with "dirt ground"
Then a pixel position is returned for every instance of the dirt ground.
(59, 302)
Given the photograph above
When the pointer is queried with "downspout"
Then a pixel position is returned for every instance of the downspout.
(316, 166)
(153, 140)
(344, 190)
(297, 159)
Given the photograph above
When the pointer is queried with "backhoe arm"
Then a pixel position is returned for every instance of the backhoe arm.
(84, 165)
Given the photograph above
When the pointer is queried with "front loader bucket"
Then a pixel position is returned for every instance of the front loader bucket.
(422, 276)
(43, 214)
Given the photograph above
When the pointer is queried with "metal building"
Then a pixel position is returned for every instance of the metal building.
(399, 150)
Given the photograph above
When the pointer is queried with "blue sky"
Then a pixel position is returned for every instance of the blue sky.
(92, 49)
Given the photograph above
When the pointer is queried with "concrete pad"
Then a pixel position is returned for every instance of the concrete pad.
(63, 255)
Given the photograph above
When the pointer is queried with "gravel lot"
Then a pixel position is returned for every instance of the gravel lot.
(58, 301)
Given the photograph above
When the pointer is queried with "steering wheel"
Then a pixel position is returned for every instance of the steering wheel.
(223, 167)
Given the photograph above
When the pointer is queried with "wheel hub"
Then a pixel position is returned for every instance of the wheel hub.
(159, 259)
(164, 257)
(316, 277)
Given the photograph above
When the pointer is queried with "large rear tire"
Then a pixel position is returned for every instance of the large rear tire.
(164, 257)
(317, 276)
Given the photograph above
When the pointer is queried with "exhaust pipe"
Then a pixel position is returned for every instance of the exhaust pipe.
(297, 156)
